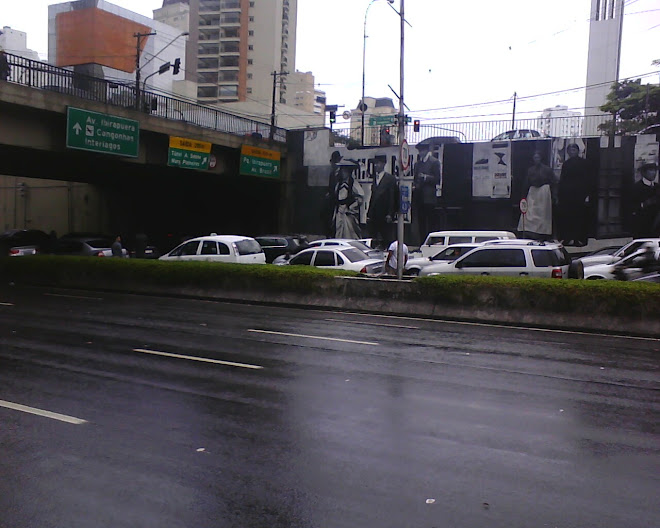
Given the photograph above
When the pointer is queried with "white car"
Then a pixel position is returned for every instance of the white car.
(628, 249)
(359, 244)
(338, 257)
(219, 248)
(627, 268)
(519, 259)
(415, 265)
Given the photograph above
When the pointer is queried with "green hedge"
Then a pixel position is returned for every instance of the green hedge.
(628, 299)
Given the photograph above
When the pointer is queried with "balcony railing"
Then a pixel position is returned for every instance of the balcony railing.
(43, 76)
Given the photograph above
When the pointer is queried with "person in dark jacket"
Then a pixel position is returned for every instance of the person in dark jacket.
(646, 203)
(575, 194)
(117, 249)
(383, 204)
(426, 180)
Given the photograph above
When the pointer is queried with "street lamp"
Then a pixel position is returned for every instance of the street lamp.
(138, 68)
(363, 105)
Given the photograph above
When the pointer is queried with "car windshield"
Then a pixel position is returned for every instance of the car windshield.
(354, 254)
(99, 243)
(452, 253)
(248, 247)
(360, 245)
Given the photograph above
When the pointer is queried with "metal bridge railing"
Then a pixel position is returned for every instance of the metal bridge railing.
(43, 76)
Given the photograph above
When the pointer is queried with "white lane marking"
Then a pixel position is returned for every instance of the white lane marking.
(314, 337)
(41, 412)
(74, 296)
(374, 324)
(495, 325)
(194, 358)
(6, 304)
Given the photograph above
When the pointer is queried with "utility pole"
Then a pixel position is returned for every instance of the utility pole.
(402, 138)
(138, 49)
(513, 119)
(275, 75)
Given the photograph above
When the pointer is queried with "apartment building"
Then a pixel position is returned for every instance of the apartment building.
(235, 46)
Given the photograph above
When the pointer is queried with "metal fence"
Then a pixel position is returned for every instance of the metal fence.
(43, 76)
(476, 131)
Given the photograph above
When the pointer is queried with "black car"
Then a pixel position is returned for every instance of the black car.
(276, 245)
(23, 242)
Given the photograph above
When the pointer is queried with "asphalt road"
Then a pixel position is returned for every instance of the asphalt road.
(186, 413)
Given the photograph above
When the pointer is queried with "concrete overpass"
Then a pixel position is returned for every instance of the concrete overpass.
(42, 181)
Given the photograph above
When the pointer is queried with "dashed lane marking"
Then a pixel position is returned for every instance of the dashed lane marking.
(314, 337)
(195, 358)
(41, 412)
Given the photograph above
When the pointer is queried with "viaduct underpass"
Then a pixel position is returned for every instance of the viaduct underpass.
(123, 194)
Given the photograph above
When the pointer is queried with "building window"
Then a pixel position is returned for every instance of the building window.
(209, 20)
(229, 47)
(249, 76)
(209, 5)
(251, 33)
(228, 61)
(230, 32)
(228, 91)
(251, 4)
(249, 90)
(228, 76)
(208, 49)
(250, 47)
(207, 64)
(207, 91)
(230, 18)
(251, 19)
(207, 77)
(250, 61)
(209, 34)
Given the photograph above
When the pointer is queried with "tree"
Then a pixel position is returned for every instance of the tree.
(633, 105)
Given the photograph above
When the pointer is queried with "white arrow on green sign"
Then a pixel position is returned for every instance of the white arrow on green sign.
(104, 133)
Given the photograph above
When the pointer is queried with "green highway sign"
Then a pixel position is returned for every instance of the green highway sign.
(187, 153)
(257, 161)
(104, 133)
(188, 159)
(382, 120)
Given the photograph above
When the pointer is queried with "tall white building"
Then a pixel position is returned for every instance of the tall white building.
(15, 42)
(236, 46)
(605, 29)
(559, 121)
(305, 95)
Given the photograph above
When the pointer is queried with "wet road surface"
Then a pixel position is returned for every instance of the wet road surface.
(134, 411)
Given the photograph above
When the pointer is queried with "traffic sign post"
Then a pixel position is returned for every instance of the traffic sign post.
(105, 133)
(523, 210)
(404, 153)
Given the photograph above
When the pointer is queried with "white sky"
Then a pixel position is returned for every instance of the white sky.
(457, 52)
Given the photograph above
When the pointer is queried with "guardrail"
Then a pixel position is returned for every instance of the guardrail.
(37, 74)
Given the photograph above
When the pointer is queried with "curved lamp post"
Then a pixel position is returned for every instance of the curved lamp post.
(363, 105)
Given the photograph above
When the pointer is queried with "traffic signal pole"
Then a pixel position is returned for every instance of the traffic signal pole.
(402, 137)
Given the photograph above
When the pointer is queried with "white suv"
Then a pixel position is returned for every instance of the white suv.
(219, 248)
(515, 258)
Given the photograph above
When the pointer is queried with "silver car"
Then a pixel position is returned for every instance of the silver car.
(517, 259)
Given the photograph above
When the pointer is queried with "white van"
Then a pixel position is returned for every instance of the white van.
(439, 240)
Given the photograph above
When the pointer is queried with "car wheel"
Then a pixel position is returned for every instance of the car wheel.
(413, 272)
(576, 270)
(594, 278)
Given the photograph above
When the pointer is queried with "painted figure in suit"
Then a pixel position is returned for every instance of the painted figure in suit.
(383, 204)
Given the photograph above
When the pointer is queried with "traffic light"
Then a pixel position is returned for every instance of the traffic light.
(416, 125)
(333, 116)
(177, 66)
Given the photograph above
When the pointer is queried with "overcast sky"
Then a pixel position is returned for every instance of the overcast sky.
(456, 52)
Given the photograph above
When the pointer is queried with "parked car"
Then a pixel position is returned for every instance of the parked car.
(450, 253)
(520, 259)
(651, 277)
(24, 242)
(338, 257)
(277, 245)
(523, 133)
(330, 242)
(219, 248)
(638, 264)
(628, 249)
(86, 245)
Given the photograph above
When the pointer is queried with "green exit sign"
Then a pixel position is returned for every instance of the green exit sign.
(103, 133)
